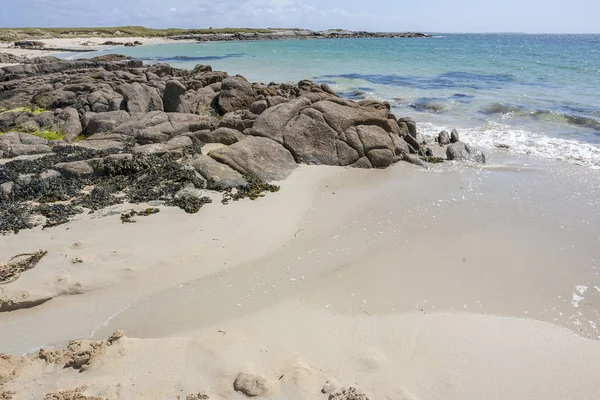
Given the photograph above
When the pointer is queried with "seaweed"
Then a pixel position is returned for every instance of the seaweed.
(255, 189)
(18, 264)
(190, 204)
(127, 217)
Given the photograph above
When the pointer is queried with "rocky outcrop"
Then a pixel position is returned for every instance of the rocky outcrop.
(134, 132)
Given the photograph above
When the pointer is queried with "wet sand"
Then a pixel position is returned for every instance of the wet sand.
(458, 282)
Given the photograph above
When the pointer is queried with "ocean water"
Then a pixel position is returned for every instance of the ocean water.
(526, 94)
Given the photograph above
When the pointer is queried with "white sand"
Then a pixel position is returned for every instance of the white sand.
(78, 43)
(453, 283)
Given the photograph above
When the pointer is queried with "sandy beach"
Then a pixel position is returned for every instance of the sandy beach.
(77, 44)
(357, 276)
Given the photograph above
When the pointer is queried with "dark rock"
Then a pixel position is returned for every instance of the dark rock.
(174, 91)
(258, 107)
(444, 138)
(110, 58)
(460, 151)
(202, 68)
(454, 136)
(256, 156)
(161, 69)
(55, 99)
(380, 158)
(236, 94)
(72, 126)
(412, 126)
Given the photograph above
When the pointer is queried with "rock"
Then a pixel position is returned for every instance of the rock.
(225, 136)
(444, 138)
(104, 100)
(81, 358)
(412, 126)
(174, 91)
(202, 68)
(348, 393)
(414, 159)
(236, 94)
(118, 334)
(258, 107)
(256, 156)
(380, 158)
(72, 127)
(217, 175)
(461, 151)
(140, 98)
(104, 122)
(110, 58)
(161, 69)
(454, 136)
(332, 131)
(54, 99)
(77, 169)
(252, 385)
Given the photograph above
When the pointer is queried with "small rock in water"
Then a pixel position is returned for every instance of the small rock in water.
(444, 138)
(463, 152)
(454, 136)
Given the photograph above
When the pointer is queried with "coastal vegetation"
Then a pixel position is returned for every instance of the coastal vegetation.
(12, 34)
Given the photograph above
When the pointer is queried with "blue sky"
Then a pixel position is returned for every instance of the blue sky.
(574, 16)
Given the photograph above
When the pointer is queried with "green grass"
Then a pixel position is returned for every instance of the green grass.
(10, 35)
(49, 135)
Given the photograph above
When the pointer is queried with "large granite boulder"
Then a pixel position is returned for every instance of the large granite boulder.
(332, 131)
(257, 156)
(236, 94)
(140, 98)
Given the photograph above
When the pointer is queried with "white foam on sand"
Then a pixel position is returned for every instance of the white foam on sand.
(497, 136)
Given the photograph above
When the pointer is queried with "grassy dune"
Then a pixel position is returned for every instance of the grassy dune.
(12, 34)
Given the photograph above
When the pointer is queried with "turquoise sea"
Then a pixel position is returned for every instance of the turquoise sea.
(528, 94)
